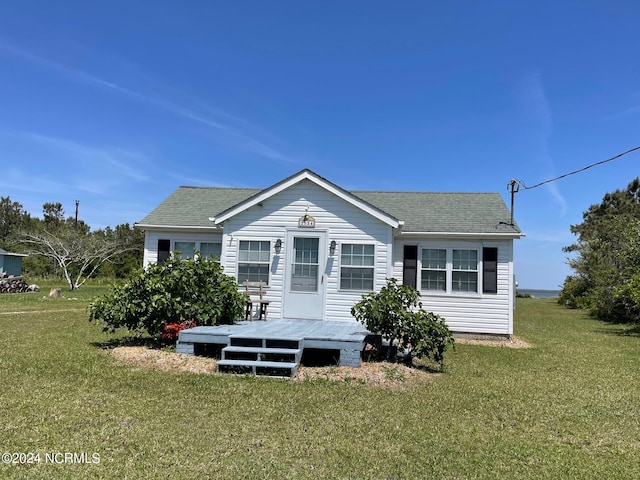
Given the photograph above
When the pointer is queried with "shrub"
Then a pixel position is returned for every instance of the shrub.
(178, 291)
(626, 304)
(171, 330)
(396, 314)
(575, 292)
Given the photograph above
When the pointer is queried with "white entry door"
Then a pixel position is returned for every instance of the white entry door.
(305, 282)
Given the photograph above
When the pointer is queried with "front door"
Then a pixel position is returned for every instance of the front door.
(305, 282)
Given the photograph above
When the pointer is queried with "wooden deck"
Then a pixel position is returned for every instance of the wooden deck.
(256, 341)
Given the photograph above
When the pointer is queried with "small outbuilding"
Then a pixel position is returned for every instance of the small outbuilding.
(11, 263)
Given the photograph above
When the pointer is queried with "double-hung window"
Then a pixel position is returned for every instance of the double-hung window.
(434, 269)
(357, 265)
(464, 271)
(457, 270)
(253, 261)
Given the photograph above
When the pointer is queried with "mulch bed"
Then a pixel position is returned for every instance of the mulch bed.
(378, 374)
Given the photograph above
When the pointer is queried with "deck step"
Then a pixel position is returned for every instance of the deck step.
(258, 367)
(262, 354)
(234, 348)
(258, 342)
(279, 357)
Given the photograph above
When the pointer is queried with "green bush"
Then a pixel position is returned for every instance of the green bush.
(627, 301)
(575, 292)
(396, 314)
(178, 291)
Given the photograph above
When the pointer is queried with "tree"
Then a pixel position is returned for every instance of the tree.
(124, 264)
(194, 291)
(78, 254)
(52, 214)
(396, 314)
(12, 219)
(607, 256)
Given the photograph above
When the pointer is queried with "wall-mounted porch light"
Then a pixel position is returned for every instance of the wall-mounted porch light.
(332, 247)
(278, 247)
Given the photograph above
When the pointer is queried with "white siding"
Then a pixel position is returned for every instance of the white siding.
(344, 223)
(471, 313)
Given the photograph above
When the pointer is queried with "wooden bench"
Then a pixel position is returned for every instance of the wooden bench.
(255, 293)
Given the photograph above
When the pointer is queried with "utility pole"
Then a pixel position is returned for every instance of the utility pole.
(514, 186)
(77, 204)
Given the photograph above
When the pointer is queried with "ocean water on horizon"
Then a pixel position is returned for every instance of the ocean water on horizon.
(539, 293)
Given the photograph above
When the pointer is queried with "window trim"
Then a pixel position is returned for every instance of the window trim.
(199, 249)
(241, 262)
(445, 270)
(363, 267)
(480, 269)
(185, 255)
(197, 246)
(475, 271)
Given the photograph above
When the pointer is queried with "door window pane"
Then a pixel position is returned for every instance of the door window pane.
(304, 272)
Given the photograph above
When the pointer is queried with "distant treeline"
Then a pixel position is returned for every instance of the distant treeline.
(19, 228)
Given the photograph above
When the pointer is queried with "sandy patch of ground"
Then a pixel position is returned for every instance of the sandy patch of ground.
(143, 357)
(513, 342)
(379, 374)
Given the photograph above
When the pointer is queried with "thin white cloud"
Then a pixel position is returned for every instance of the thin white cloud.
(234, 136)
(558, 198)
(15, 179)
(119, 160)
(537, 109)
(536, 104)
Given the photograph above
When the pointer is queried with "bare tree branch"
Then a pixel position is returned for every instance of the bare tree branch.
(79, 255)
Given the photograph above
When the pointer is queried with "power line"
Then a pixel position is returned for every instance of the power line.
(520, 182)
(514, 185)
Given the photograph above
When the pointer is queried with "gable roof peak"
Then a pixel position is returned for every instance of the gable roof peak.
(306, 174)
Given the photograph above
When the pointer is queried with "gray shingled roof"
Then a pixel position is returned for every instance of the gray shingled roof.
(446, 212)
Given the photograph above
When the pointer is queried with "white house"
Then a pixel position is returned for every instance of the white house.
(319, 247)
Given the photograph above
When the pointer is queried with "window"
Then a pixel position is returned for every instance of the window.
(489, 270)
(164, 251)
(434, 269)
(357, 266)
(410, 266)
(304, 276)
(186, 249)
(208, 249)
(253, 261)
(464, 273)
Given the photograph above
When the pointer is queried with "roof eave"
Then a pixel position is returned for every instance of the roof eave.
(464, 235)
(148, 226)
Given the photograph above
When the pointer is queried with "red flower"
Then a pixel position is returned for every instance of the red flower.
(171, 330)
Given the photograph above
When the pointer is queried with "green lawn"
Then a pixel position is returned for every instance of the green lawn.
(567, 408)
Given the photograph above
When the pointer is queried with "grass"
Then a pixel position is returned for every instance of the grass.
(567, 408)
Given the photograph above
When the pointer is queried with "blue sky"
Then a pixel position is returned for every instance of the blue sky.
(117, 103)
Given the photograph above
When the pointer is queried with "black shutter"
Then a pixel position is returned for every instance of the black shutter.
(410, 266)
(489, 270)
(164, 251)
